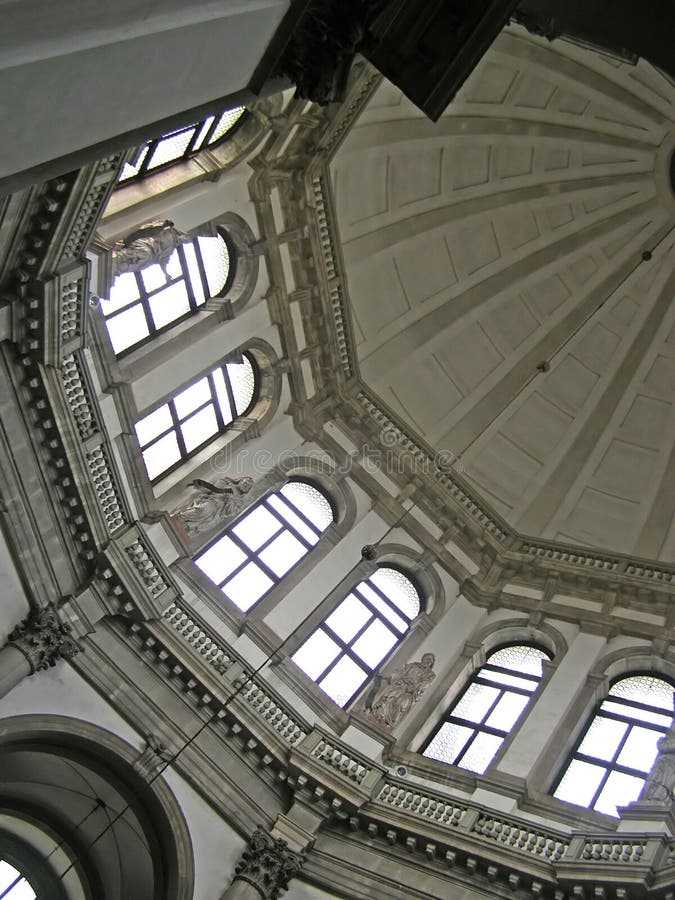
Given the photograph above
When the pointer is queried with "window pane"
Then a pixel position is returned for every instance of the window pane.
(188, 400)
(619, 790)
(475, 703)
(343, 681)
(644, 689)
(199, 428)
(449, 742)
(242, 380)
(220, 560)
(311, 503)
(398, 589)
(161, 455)
(216, 261)
(295, 521)
(169, 304)
(507, 712)
(283, 553)
(23, 891)
(256, 527)
(153, 277)
(226, 121)
(374, 644)
(504, 678)
(194, 273)
(316, 653)
(640, 750)
(527, 660)
(602, 738)
(579, 783)
(8, 874)
(153, 425)
(222, 395)
(399, 623)
(127, 328)
(247, 587)
(171, 148)
(481, 752)
(131, 168)
(350, 616)
(639, 715)
(203, 132)
(124, 290)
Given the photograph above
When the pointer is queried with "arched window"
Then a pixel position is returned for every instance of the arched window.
(496, 696)
(618, 747)
(14, 885)
(143, 304)
(264, 544)
(355, 639)
(181, 144)
(183, 425)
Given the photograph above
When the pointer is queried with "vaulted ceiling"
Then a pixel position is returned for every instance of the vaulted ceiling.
(500, 300)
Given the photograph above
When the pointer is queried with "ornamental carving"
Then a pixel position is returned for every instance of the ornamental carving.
(268, 864)
(392, 700)
(44, 639)
(152, 243)
(211, 503)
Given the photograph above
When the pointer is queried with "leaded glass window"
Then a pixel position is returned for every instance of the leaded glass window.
(488, 708)
(264, 544)
(364, 629)
(180, 144)
(143, 304)
(618, 747)
(194, 417)
(13, 885)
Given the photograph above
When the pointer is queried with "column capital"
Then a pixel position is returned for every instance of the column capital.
(43, 638)
(268, 864)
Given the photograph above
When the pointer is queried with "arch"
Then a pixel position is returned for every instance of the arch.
(350, 644)
(96, 757)
(491, 704)
(24, 870)
(261, 546)
(512, 630)
(617, 747)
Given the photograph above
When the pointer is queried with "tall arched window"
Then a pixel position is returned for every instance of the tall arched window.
(143, 304)
(618, 746)
(180, 144)
(495, 698)
(354, 640)
(187, 422)
(264, 544)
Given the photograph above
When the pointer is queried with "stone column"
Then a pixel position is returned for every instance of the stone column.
(264, 870)
(35, 644)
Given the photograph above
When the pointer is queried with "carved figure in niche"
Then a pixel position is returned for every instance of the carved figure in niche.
(660, 782)
(152, 243)
(402, 688)
(212, 503)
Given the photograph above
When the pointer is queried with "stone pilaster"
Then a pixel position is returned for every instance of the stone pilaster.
(265, 868)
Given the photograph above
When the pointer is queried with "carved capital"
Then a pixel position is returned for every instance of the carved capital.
(268, 864)
(44, 639)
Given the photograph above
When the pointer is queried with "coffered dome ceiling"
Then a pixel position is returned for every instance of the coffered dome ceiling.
(507, 239)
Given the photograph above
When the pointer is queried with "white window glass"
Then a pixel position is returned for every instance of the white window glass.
(192, 418)
(360, 626)
(221, 560)
(268, 546)
(619, 745)
(310, 502)
(488, 709)
(316, 653)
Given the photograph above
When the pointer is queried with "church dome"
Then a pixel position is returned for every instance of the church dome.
(510, 275)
